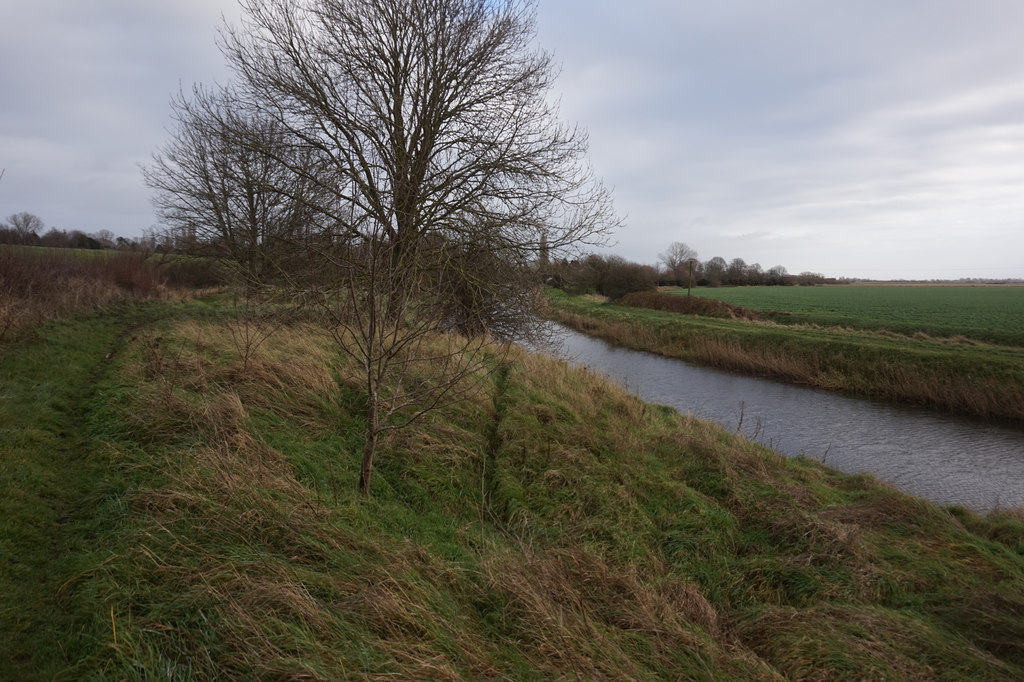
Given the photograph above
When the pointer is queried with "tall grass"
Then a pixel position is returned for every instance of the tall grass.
(555, 527)
(39, 284)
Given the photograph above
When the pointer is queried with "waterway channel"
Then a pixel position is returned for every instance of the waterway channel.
(942, 458)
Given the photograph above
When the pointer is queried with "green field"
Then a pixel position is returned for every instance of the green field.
(984, 313)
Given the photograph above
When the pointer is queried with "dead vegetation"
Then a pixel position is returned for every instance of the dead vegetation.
(41, 284)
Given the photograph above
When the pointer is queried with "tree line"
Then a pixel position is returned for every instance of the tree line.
(28, 229)
(614, 276)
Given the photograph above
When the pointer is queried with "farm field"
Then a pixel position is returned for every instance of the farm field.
(981, 313)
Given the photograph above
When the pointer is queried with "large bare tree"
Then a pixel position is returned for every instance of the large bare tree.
(25, 224)
(441, 170)
(225, 183)
(431, 117)
(679, 259)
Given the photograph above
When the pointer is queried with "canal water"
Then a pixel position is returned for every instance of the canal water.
(942, 458)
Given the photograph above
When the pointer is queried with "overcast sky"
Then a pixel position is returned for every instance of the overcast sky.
(856, 138)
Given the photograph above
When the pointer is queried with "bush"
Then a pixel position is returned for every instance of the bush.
(611, 276)
(687, 305)
(194, 273)
(622, 277)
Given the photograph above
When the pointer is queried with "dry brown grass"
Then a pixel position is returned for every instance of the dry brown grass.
(557, 528)
(39, 284)
(564, 605)
(835, 643)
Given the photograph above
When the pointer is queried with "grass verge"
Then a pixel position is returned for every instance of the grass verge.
(558, 529)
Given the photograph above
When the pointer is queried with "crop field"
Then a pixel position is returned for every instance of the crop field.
(983, 313)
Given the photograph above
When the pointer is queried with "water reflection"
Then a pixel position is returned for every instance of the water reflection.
(944, 459)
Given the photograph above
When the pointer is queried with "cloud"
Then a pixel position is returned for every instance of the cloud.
(818, 135)
(809, 125)
(86, 101)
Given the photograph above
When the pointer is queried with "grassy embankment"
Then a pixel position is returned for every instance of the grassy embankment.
(955, 373)
(173, 510)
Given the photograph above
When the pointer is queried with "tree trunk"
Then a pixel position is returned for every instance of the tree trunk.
(369, 446)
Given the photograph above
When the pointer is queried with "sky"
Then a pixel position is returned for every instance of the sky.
(853, 138)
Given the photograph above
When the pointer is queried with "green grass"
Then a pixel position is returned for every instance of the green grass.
(554, 527)
(952, 374)
(984, 313)
(60, 487)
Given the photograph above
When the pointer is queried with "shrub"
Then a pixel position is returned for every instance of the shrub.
(687, 305)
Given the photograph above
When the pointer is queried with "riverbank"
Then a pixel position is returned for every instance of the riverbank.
(175, 510)
(971, 378)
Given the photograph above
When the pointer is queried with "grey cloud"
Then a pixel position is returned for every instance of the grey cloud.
(815, 122)
(818, 135)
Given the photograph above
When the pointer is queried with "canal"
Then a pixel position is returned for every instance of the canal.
(942, 458)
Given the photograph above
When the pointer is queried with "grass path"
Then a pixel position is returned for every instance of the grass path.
(56, 508)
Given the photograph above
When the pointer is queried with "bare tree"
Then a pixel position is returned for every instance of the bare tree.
(386, 317)
(715, 270)
(430, 116)
(225, 183)
(442, 171)
(25, 224)
(777, 275)
(680, 259)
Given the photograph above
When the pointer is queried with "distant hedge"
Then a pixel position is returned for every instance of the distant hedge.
(687, 305)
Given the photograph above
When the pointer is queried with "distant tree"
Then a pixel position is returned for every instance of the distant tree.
(679, 260)
(755, 274)
(55, 238)
(808, 278)
(715, 271)
(777, 276)
(105, 237)
(736, 273)
(25, 224)
(80, 240)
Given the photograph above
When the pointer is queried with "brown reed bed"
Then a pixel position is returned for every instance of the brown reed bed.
(40, 284)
